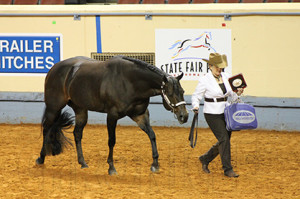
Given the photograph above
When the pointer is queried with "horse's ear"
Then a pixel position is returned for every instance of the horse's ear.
(165, 79)
(180, 76)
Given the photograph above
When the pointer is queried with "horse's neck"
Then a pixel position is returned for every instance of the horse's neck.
(156, 83)
(153, 82)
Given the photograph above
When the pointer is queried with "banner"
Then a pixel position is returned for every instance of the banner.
(29, 53)
(183, 50)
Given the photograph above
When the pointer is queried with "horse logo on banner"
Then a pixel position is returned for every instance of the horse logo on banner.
(192, 46)
(183, 50)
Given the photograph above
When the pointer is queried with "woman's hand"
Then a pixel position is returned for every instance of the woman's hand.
(195, 109)
(240, 91)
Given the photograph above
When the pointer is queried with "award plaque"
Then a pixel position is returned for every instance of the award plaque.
(237, 81)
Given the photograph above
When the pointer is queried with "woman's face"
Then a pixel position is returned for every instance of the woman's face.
(216, 71)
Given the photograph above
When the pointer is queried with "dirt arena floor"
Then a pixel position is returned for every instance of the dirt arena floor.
(268, 163)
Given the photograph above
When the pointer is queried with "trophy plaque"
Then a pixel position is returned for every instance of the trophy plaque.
(237, 81)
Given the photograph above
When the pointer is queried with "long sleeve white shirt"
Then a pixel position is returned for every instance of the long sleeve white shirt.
(208, 87)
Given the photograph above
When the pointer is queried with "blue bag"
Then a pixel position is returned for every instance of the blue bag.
(239, 116)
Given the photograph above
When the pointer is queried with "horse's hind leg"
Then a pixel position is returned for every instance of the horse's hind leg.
(48, 119)
(80, 122)
(144, 124)
(111, 127)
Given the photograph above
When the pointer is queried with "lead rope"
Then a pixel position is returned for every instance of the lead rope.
(191, 137)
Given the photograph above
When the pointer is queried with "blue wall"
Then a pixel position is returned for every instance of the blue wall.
(282, 114)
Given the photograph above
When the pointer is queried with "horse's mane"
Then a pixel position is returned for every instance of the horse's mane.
(145, 65)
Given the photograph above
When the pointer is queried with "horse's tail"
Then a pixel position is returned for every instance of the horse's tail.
(54, 140)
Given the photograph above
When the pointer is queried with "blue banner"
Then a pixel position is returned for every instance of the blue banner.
(29, 54)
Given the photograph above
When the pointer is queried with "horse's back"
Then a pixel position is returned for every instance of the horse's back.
(59, 75)
(94, 85)
(99, 86)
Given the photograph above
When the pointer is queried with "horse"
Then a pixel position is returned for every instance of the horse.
(120, 86)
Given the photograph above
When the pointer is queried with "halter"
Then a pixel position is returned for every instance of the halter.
(171, 105)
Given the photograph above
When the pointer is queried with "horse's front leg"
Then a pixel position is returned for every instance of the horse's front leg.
(155, 165)
(144, 124)
(111, 127)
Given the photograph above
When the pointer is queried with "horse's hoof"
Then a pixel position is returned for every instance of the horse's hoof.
(83, 166)
(154, 169)
(112, 172)
(39, 161)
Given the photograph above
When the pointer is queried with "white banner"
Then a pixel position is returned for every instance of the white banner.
(182, 50)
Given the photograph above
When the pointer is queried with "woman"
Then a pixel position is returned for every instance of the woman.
(215, 89)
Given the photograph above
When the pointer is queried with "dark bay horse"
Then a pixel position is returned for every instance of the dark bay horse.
(120, 87)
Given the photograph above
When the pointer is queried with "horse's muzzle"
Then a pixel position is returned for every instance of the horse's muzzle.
(182, 116)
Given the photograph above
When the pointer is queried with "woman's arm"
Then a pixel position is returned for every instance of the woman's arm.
(198, 94)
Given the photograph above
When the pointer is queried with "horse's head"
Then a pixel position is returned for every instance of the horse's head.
(173, 99)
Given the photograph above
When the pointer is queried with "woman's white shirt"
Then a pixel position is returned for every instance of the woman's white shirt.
(208, 87)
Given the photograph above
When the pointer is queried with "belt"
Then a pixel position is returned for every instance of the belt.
(221, 99)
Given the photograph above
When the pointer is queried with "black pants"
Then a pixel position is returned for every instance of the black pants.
(216, 123)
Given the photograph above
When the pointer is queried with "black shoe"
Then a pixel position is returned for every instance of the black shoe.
(231, 173)
(204, 165)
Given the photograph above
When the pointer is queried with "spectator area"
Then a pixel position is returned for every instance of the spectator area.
(65, 2)
(42, 2)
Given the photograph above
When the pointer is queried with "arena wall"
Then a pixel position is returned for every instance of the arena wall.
(264, 41)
